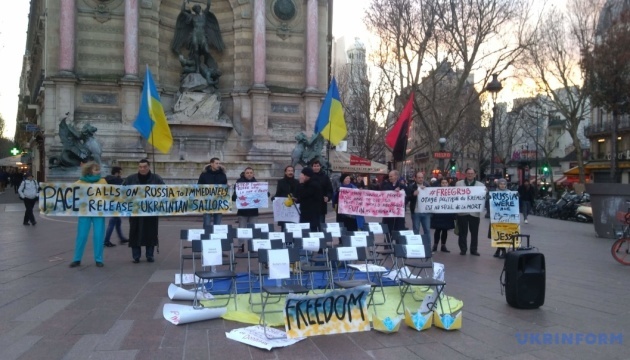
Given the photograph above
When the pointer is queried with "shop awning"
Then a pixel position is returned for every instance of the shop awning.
(575, 171)
(11, 161)
(347, 163)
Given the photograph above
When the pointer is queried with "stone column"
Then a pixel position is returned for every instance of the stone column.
(260, 48)
(312, 55)
(67, 36)
(131, 38)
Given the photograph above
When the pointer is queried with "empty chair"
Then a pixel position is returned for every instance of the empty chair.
(358, 254)
(256, 273)
(244, 234)
(185, 248)
(264, 227)
(322, 266)
(211, 253)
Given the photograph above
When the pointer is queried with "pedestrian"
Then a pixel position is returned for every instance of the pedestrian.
(4, 178)
(469, 221)
(418, 217)
(115, 222)
(348, 221)
(29, 193)
(287, 186)
(526, 196)
(442, 223)
(501, 251)
(309, 196)
(321, 178)
(143, 230)
(394, 183)
(16, 180)
(90, 174)
(213, 174)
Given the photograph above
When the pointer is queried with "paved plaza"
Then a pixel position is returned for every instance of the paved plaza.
(50, 311)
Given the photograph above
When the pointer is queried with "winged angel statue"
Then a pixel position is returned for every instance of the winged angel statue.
(198, 32)
(78, 147)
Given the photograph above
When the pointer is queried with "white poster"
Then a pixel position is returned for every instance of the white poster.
(255, 336)
(281, 212)
(252, 195)
(458, 199)
(184, 314)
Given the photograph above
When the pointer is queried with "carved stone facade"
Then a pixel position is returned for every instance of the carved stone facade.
(93, 59)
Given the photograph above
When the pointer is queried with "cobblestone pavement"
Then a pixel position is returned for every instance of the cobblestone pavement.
(50, 311)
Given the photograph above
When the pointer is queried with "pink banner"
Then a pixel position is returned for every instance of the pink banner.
(371, 203)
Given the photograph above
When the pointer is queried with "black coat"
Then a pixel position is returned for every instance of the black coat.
(443, 221)
(309, 196)
(143, 230)
(327, 190)
(114, 180)
(411, 198)
(210, 177)
(526, 194)
(286, 186)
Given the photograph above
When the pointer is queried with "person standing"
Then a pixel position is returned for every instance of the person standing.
(418, 217)
(468, 221)
(348, 221)
(309, 196)
(526, 195)
(29, 193)
(90, 174)
(213, 174)
(114, 222)
(321, 178)
(16, 180)
(246, 216)
(288, 185)
(501, 251)
(442, 223)
(394, 184)
(143, 230)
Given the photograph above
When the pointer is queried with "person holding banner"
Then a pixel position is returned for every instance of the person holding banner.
(442, 223)
(501, 251)
(418, 217)
(325, 184)
(309, 196)
(288, 185)
(90, 174)
(213, 174)
(143, 230)
(394, 184)
(348, 221)
(468, 221)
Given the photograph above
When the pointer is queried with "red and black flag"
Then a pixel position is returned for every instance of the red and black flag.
(396, 138)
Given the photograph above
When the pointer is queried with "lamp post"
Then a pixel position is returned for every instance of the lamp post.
(493, 87)
(442, 142)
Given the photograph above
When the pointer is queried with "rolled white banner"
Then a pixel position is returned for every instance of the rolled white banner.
(177, 293)
(184, 314)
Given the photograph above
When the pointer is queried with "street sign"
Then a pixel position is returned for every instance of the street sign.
(32, 128)
(442, 155)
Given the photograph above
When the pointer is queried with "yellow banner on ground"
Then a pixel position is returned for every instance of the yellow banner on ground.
(335, 312)
(501, 234)
(72, 199)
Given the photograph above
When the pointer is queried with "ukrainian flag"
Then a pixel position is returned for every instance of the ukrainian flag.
(151, 120)
(330, 122)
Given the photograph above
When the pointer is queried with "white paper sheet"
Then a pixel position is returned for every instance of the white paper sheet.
(358, 240)
(218, 236)
(310, 244)
(277, 235)
(370, 267)
(415, 251)
(255, 336)
(319, 235)
(211, 252)
(244, 233)
(261, 244)
(414, 239)
(263, 227)
(188, 279)
(279, 264)
(375, 228)
(220, 229)
(183, 314)
(177, 293)
(195, 234)
(347, 253)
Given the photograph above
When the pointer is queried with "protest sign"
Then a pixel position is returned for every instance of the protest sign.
(504, 218)
(335, 312)
(371, 203)
(252, 195)
(281, 212)
(255, 336)
(71, 199)
(458, 199)
(183, 314)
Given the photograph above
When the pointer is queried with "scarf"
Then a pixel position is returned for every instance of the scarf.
(91, 178)
(469, 184)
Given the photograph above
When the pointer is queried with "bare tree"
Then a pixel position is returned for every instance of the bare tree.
(553, 61)
(2, 125)
(417, 36)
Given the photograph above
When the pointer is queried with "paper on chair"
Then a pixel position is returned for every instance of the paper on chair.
(218, 236)
(347, 253)
(413, 239)
(177, 293)
(220, 229)
(254, 336)
(261, 244)
(310, 244)
(428, 302)
(375, 228)
(184, 314)
(278, 261)
(415, 251)
(195, 234)
(358, 241)
(211, 253)
(188, 279)
(319, 235)
(362, 233)
(369, 267)
(295, 229)
(263, 227)
(246, 233)
(276, 235)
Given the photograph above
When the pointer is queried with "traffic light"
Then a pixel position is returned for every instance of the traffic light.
(15, 151)
(545, 169)
(453, 165)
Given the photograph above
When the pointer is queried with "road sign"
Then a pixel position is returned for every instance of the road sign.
(442, 155)
(32, 127)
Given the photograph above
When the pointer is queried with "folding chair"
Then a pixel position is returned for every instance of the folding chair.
(256, 273)
(359, 254)
(406, 280)
(264, 227)
(382, 245)
(187, 236)
(211, 252)
(419, 267)
(318, 256)
(244, 234)
(368, 243)
(265, 259)
(314, 244)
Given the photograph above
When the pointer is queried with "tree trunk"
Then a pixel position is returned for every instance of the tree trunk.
(613, 148)
(579, 157)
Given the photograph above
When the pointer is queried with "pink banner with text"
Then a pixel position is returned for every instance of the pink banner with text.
(371, 203)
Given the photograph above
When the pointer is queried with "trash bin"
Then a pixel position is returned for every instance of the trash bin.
(609, 207)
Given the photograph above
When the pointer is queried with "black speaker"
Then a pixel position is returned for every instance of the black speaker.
(525, 279)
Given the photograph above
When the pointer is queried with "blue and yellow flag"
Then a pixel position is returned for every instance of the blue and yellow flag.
(330, 121)
(151, 120)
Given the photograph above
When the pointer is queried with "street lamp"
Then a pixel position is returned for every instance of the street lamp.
(442, 142)
(493, 87)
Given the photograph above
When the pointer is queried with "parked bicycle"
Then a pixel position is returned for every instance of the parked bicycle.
(621, 248)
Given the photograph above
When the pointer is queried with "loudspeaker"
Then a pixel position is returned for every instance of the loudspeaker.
(525, 279)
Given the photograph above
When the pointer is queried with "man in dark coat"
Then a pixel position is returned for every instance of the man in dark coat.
(143, 230)
(213, 174)
(309, 196)
(526, 196)
(325, 185)
(394, 184)
(287, 185)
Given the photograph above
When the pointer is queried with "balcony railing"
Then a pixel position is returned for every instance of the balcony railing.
(605, 128)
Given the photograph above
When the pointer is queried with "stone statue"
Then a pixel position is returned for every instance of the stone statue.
(198, 32)
(78, 147)
(308, 150)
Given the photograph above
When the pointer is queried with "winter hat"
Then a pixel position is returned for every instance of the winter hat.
(307, 171)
